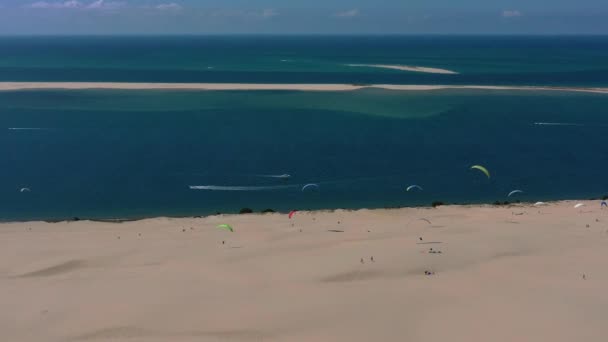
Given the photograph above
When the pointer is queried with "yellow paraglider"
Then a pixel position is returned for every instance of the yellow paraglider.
(482, 169)
(226, 227)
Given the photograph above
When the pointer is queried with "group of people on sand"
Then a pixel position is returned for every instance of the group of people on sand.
(371, 259)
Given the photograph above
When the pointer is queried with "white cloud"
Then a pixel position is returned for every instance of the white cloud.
(73, 4)
(511, 14)
(264, 14)
(269, 13)
(96, 4)
(348, 14)
(101, 4)
(61, 4)
(169, 7)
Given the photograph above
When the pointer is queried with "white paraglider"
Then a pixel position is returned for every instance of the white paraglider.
(514, 192)
(411, 187)
(310, 187)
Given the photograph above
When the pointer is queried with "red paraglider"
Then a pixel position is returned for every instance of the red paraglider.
(291, 213)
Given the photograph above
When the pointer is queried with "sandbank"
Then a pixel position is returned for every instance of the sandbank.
(12, 86)
(407, 68)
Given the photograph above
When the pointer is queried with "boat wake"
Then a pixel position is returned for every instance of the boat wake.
(558, 124)
(27, 129)
(241, 188)
(283, 176)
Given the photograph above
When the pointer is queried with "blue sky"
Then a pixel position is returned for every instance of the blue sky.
(303, 16)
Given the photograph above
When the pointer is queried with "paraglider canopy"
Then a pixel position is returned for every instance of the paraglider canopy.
(514, 192)
(25, 190)
(411, 187)
(578, 205)
(482, 169)
(226, 227)
(310, 187)
(291, 213)
(604, 204)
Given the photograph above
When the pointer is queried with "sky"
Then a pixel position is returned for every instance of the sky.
(74, 17)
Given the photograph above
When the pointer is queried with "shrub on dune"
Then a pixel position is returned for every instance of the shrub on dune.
(437, 204)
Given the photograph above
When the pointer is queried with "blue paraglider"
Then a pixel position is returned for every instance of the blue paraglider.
(604, 204)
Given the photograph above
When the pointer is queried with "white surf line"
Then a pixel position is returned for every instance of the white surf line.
(406, 68)
(8, 86)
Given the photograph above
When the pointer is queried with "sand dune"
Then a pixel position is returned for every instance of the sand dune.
(512, 273)
(12, 86)
(63, 267)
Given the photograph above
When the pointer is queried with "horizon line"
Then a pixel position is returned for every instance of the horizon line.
(154, 34)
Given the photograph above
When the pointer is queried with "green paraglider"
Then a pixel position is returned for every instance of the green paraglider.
(226, 227)
(482, 169)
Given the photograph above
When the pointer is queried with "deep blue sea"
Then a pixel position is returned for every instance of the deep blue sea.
(131, 154)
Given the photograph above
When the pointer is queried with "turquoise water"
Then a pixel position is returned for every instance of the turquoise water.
(129, 154)
(559, 60)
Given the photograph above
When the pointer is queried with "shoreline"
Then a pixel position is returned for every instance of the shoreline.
(18, 86)
(588, 203)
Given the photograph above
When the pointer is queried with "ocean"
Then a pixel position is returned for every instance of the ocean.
(134, 153)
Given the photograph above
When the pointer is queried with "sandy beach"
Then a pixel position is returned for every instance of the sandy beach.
(454, 273)
(12, 86)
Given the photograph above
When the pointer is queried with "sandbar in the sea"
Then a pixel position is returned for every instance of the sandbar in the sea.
(11, 86)
(407, 68)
